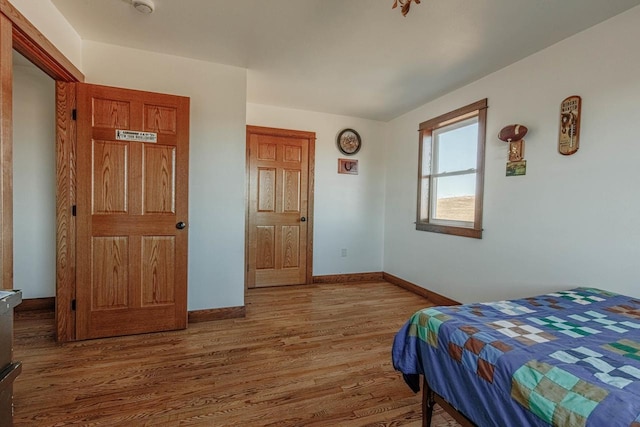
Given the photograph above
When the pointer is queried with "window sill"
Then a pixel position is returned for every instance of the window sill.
(447, 229)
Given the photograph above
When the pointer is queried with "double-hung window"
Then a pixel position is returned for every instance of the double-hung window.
(451, 172)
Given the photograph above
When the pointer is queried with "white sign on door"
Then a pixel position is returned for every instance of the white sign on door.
(133, 135)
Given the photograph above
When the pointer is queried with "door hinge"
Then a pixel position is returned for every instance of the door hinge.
(73, 305)
(74, 211)
(74, 114)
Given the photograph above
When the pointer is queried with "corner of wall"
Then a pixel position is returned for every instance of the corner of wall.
(54, 26)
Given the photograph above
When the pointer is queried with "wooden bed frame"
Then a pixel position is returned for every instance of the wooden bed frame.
(430, 398)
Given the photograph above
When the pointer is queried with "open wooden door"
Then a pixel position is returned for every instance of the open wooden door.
(132, 188)
(280, 206)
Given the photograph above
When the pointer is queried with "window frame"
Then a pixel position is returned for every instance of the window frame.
(424, 201)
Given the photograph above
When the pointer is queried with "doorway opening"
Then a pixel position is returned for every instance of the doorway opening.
(34, 178)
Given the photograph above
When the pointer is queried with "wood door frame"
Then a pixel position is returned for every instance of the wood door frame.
(311, 137)
(16, 32)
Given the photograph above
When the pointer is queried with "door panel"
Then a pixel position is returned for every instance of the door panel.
(159, 179)
(110, 167)
(110, 272)
(132, 260)
(158, 270)
(160, 119)
(266, 190)
(265, 247)
(112, 114)
(279, 214)
(291, 191)
(290, 246)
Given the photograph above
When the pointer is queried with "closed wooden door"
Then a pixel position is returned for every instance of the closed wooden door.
(280, 206)
(132, 188)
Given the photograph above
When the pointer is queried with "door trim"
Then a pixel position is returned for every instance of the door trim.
(16, 32)
(65, 221)
(311, 137)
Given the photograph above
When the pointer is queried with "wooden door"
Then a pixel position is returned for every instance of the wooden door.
(280, 206)
(131, 199)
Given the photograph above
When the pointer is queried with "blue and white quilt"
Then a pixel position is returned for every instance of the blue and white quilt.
(569, 358)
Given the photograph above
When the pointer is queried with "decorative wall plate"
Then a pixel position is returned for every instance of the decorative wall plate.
(349, 142)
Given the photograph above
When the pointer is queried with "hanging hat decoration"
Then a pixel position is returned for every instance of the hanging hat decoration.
(405, 5)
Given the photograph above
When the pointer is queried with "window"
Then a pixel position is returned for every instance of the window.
(451, 172)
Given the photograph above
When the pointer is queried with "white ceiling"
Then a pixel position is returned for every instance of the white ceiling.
(353, 57)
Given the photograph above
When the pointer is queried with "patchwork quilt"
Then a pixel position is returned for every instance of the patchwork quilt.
(569, 358)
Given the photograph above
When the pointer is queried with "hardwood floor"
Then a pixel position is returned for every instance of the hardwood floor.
(316, 355)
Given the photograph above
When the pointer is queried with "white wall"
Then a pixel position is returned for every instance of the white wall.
(50, 22)
(571, 220)
(217, 158)
(349, 209)
(34, 182)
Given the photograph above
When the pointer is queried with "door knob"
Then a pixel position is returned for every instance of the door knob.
(180, 225)
(303, 219)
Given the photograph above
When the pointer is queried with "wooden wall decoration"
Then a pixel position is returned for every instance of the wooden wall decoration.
(514, 135)
(348, 166)
(569, 133)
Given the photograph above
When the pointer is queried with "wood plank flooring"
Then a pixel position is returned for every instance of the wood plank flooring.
(314, 355)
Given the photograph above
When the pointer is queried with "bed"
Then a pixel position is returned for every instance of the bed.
(568, 358)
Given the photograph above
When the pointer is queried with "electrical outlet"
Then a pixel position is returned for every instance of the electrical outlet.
(343, 252)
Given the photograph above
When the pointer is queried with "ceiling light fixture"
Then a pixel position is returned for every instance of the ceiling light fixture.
(143, 6)
(406, 5)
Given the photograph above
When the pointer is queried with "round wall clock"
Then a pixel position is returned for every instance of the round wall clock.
(349, 142)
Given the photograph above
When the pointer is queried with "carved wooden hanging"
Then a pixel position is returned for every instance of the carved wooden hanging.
(569, 134)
